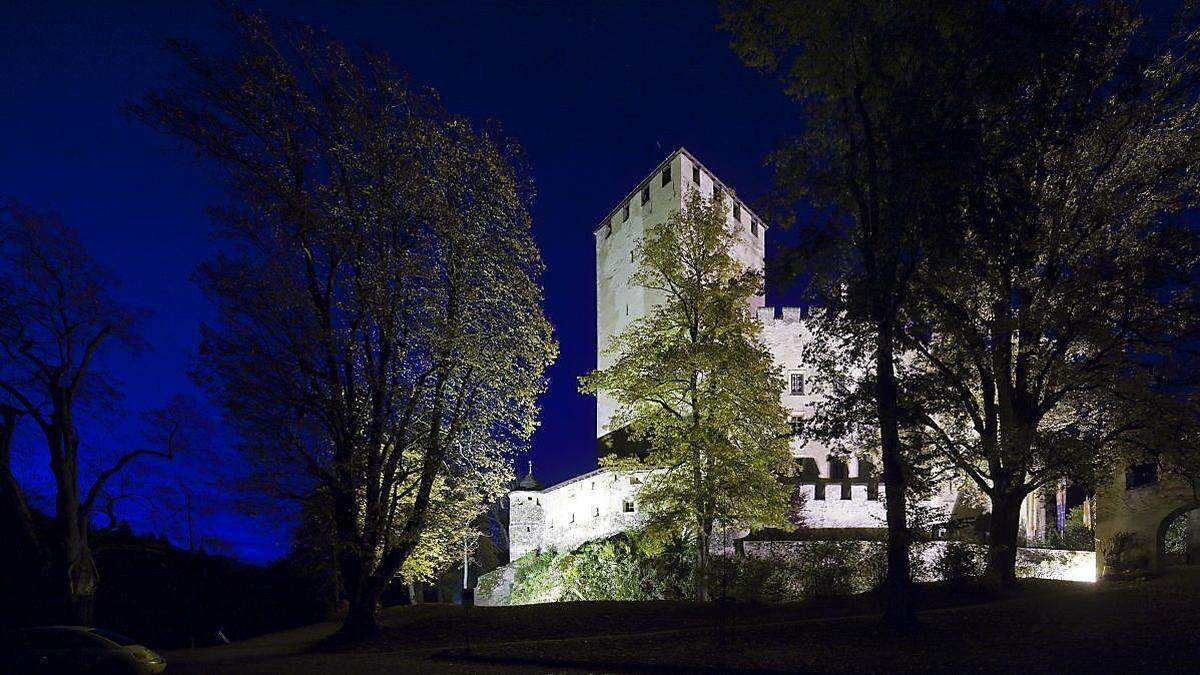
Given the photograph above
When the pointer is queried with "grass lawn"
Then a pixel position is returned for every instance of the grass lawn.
(1062, 627)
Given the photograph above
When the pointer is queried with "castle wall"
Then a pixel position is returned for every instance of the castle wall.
(563, 516)
(1144, 511)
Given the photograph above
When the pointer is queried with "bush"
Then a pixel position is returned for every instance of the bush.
(621, 567)
(959, 563)
(536, 579)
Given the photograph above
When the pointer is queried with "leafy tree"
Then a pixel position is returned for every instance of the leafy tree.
(880, 159)
(1038, 343)
(694, 381)
(57, 318)
(380, 342)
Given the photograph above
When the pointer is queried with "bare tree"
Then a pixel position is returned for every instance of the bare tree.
(58, 318)
(380, 341)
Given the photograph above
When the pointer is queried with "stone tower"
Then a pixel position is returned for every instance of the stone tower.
(525, 516)
(618, 301)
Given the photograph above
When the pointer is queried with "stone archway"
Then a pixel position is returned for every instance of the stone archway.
(1180, 530)
(1136, 507)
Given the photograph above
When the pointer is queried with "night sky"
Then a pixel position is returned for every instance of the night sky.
(598, 94)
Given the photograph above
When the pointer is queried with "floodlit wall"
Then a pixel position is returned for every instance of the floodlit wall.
(620, 302)
(561, 517)
(1033, 563)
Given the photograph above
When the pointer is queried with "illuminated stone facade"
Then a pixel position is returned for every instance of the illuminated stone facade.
(841, 493)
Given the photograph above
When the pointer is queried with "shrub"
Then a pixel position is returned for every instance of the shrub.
(959, 563)
(622, 567)
(535, 580)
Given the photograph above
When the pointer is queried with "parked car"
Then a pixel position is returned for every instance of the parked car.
(79, 649)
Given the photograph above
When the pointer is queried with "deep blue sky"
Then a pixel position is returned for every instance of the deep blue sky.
(598, 94)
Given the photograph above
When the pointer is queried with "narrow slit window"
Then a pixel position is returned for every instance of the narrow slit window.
(754, 227)
(625, 213)
(645, 194)
(666, 175)
(696, 175)
(737, 212)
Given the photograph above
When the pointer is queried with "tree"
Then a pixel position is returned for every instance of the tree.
(58, 317)
(694, 381)
(1038, 343)
(380, 341)
(879, 158)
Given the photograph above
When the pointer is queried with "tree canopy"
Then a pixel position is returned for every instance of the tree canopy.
(694, 381)
(380, 341)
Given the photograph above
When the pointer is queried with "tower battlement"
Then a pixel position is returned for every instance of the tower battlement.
(786, 314)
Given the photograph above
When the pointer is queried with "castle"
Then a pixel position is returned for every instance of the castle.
(840, 493)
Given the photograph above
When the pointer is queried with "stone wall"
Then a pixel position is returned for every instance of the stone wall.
(563, 516)
(1034, 563)
(1143, 510)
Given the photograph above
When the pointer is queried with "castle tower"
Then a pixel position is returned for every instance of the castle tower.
(618, 301)
(525, 516)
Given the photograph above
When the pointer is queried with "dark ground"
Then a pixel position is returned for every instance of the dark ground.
(1062, 627)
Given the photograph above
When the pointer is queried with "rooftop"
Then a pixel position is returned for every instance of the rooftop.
(661, 165)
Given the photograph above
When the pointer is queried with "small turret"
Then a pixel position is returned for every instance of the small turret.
(529, 482)
(525, 516)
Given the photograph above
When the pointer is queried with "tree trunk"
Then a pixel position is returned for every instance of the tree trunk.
(361, 617)
(75, 574)
(1001, 570)
(362, 596)
(703, 537)
(899, 614)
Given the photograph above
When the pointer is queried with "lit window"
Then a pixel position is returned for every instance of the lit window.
(645, 194)
(625, 213)
(797, 384)
(695, 174)
(666, 175)
(797, 425)
(737, 212)
(627, 506)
